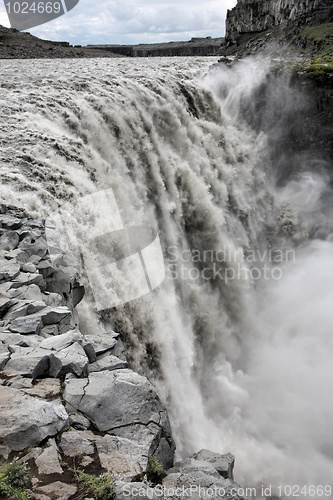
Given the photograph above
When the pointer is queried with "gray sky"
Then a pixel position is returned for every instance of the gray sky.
(134, 21)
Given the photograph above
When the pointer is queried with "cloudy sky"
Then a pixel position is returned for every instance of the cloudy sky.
(134, 21)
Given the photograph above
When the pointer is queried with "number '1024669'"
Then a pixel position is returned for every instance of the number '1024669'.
(33, 8)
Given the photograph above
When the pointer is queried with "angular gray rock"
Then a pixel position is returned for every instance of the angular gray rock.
(75, 442)
(31, 362)
(107, 362)
(8, 270)
(48, 461)
(115, 399)
(9, 241)
(224, 464)
(26, 421)
(102, 342)
(58, 490)
(124, 456)
(27, 324)
(45, 388)
(72, 359)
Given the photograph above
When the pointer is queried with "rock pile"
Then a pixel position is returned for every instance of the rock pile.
(67, 398)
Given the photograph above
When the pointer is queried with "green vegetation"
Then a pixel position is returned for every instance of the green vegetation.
(14, 479)
(102, 487)
(155, 471)
(321, 37)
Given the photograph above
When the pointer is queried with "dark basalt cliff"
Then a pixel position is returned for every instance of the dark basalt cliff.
(255, 16)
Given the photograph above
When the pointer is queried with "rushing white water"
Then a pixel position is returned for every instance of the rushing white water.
(238, 338)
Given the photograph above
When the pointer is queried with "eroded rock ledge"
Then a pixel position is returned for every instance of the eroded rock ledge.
(70, 399)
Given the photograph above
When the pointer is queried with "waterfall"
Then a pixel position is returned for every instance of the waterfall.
(237, 338)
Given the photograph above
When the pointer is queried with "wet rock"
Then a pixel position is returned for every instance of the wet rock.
(26, 421)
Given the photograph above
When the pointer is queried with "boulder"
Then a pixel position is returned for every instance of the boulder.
(25, 279)
(10, 222)
(102, 342)
(48, 461)
(31, 362)
(58, 490)
(29, 292)
(62, 341)
(107, 362)
(26, 421)
(72, 359)
(115, 399)
(78, 421)
(124, 456)
(24, 308)
(5, 304)
(9, 241)
(45, 388)
(224, 464)
(8, 270)
(200, 480)
(27, 324)
(76, 442)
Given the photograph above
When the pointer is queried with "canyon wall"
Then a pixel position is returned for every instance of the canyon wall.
(255, 16)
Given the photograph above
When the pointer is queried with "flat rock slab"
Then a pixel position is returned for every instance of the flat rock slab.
(124, 456)
(31, 362)
(48, 461)
(26, 421)
(58, 490)
(107, 362)
(74, 443)
(45, 388)
(115, 399)
(102, 342)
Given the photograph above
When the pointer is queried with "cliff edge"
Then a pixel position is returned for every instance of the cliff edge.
(256, 16)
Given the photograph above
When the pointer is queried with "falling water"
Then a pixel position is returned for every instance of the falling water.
(237, 339)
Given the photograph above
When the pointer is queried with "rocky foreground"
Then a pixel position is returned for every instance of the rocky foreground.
(69, 403)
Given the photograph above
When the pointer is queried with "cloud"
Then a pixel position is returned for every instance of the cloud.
(135, 21)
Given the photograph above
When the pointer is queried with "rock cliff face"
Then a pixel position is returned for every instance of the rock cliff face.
(69, 400)
(253, 16)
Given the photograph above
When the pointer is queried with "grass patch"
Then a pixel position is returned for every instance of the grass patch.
(102, 487)
(155, 471)
(14, 479)
(323, 32)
